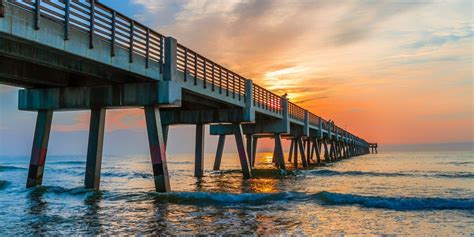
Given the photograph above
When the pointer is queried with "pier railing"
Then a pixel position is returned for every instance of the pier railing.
(296, 112)
(100, 21)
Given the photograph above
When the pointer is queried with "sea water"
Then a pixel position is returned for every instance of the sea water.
(404, 193)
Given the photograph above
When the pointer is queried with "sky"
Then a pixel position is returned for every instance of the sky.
(392, 72)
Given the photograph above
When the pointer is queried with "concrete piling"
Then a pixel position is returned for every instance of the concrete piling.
(40, 148)
(157, 148)
(279, 155)
(244, 162)
(94, 148)
(199, 151)
(220, 150)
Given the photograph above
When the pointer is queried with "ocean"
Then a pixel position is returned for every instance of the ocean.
(390, 193)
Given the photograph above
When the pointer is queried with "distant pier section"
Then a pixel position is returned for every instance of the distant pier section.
(82, 55)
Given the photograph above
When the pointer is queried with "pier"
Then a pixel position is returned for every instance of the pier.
(83, 55)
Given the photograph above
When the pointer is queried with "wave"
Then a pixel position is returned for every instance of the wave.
(322, 198)
(60, 190)
(326, 172)
(10, 168)
(4, 184)
(71, 162)
(396, 203)
(127, 174)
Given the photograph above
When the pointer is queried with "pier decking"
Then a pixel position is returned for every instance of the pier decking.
(83, 55)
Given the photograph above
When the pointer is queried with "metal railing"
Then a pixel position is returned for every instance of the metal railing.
(295, 111)
(267, 100)
(208, 73)
(102, 22)
(313, 119)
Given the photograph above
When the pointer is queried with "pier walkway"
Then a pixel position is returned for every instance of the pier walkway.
(82, 55)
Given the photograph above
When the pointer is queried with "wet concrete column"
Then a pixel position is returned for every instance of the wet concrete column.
(254, 150)
(40, 147)
(220, 150)
(308, 150)
(326, 151)
(290, 154)
(244, 162)
(295, 155)
(157, 149)
(94, 148)
(279, 156)
(303, 157)
(249, 144)
(318, 151)
(199, 151)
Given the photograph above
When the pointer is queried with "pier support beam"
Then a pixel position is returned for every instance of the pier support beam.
(290, 154)
(326, 151)
(244, 162)
(279, 155)
(318, 151)
(249, 144)
(254, 150)
(40, 147)
(94, 148)
(303, 157)
(220, 150)
(157, 148)
(295, 153)
(199, 151)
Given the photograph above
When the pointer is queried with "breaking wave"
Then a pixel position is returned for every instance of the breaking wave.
(326, 172)
(10, 168)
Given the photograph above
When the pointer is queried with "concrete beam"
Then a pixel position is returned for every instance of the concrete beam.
(40, 148)
(79, 98)
(181, 116)
(94, 148)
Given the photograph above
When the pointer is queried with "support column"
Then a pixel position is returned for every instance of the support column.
(279, 152)
(303, 157)
(318, 151)
(254, 150)
(199, 151)
(290, 155)
(326, 152)
(220, 150)
(157, 148)
(40, 147)
(94, 148)
(166, 129)
(237, 130)
(308, 150)
(249, 144)
(295, 155)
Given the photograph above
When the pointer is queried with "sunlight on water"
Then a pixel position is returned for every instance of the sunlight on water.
(387, 193)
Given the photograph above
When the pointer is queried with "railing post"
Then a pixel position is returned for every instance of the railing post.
(147, 48)
(170, 69)
(2, 9)
(306, 124)
(112, 34)
(320, 123)
(37, 14)
(92, 25)
(67, 6)
(285, 113)
(249, 110)
(130, 52)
